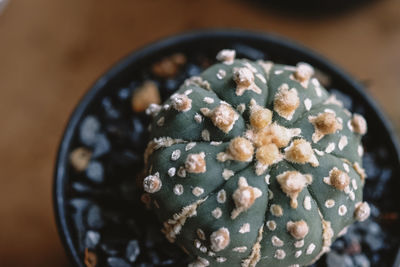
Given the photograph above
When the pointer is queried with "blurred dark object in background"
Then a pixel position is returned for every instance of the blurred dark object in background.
(314, 8)
(3, 4)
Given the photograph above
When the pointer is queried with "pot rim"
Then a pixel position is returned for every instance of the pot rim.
(59, 182)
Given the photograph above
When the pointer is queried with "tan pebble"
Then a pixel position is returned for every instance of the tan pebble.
(168, 67)
(298, 229)
(80, 158)
(220, 239)
(145, 95)
(152, 183)
(90, 258)
(196, 163)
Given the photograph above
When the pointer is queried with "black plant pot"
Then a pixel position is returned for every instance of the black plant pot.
(118, 213)
(314, 8)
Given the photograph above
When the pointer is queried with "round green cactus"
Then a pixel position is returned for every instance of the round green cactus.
(254, 163)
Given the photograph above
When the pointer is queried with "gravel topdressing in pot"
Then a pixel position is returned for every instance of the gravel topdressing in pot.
(101, 216)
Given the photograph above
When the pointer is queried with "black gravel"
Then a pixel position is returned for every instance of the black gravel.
(107, 217)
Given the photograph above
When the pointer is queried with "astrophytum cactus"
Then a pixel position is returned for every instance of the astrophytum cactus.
(254, 163)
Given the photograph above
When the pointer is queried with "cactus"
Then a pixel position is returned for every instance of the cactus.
(254, 163)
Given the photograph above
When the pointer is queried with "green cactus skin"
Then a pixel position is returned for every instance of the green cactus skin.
(232, 204)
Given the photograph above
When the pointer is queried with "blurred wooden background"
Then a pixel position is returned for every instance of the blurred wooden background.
(52, 51)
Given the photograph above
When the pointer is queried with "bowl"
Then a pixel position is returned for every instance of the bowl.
(118, 197)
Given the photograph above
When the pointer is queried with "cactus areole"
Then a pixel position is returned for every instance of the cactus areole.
(255, 164)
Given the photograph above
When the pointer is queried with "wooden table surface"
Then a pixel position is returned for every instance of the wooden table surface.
(51, 52)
